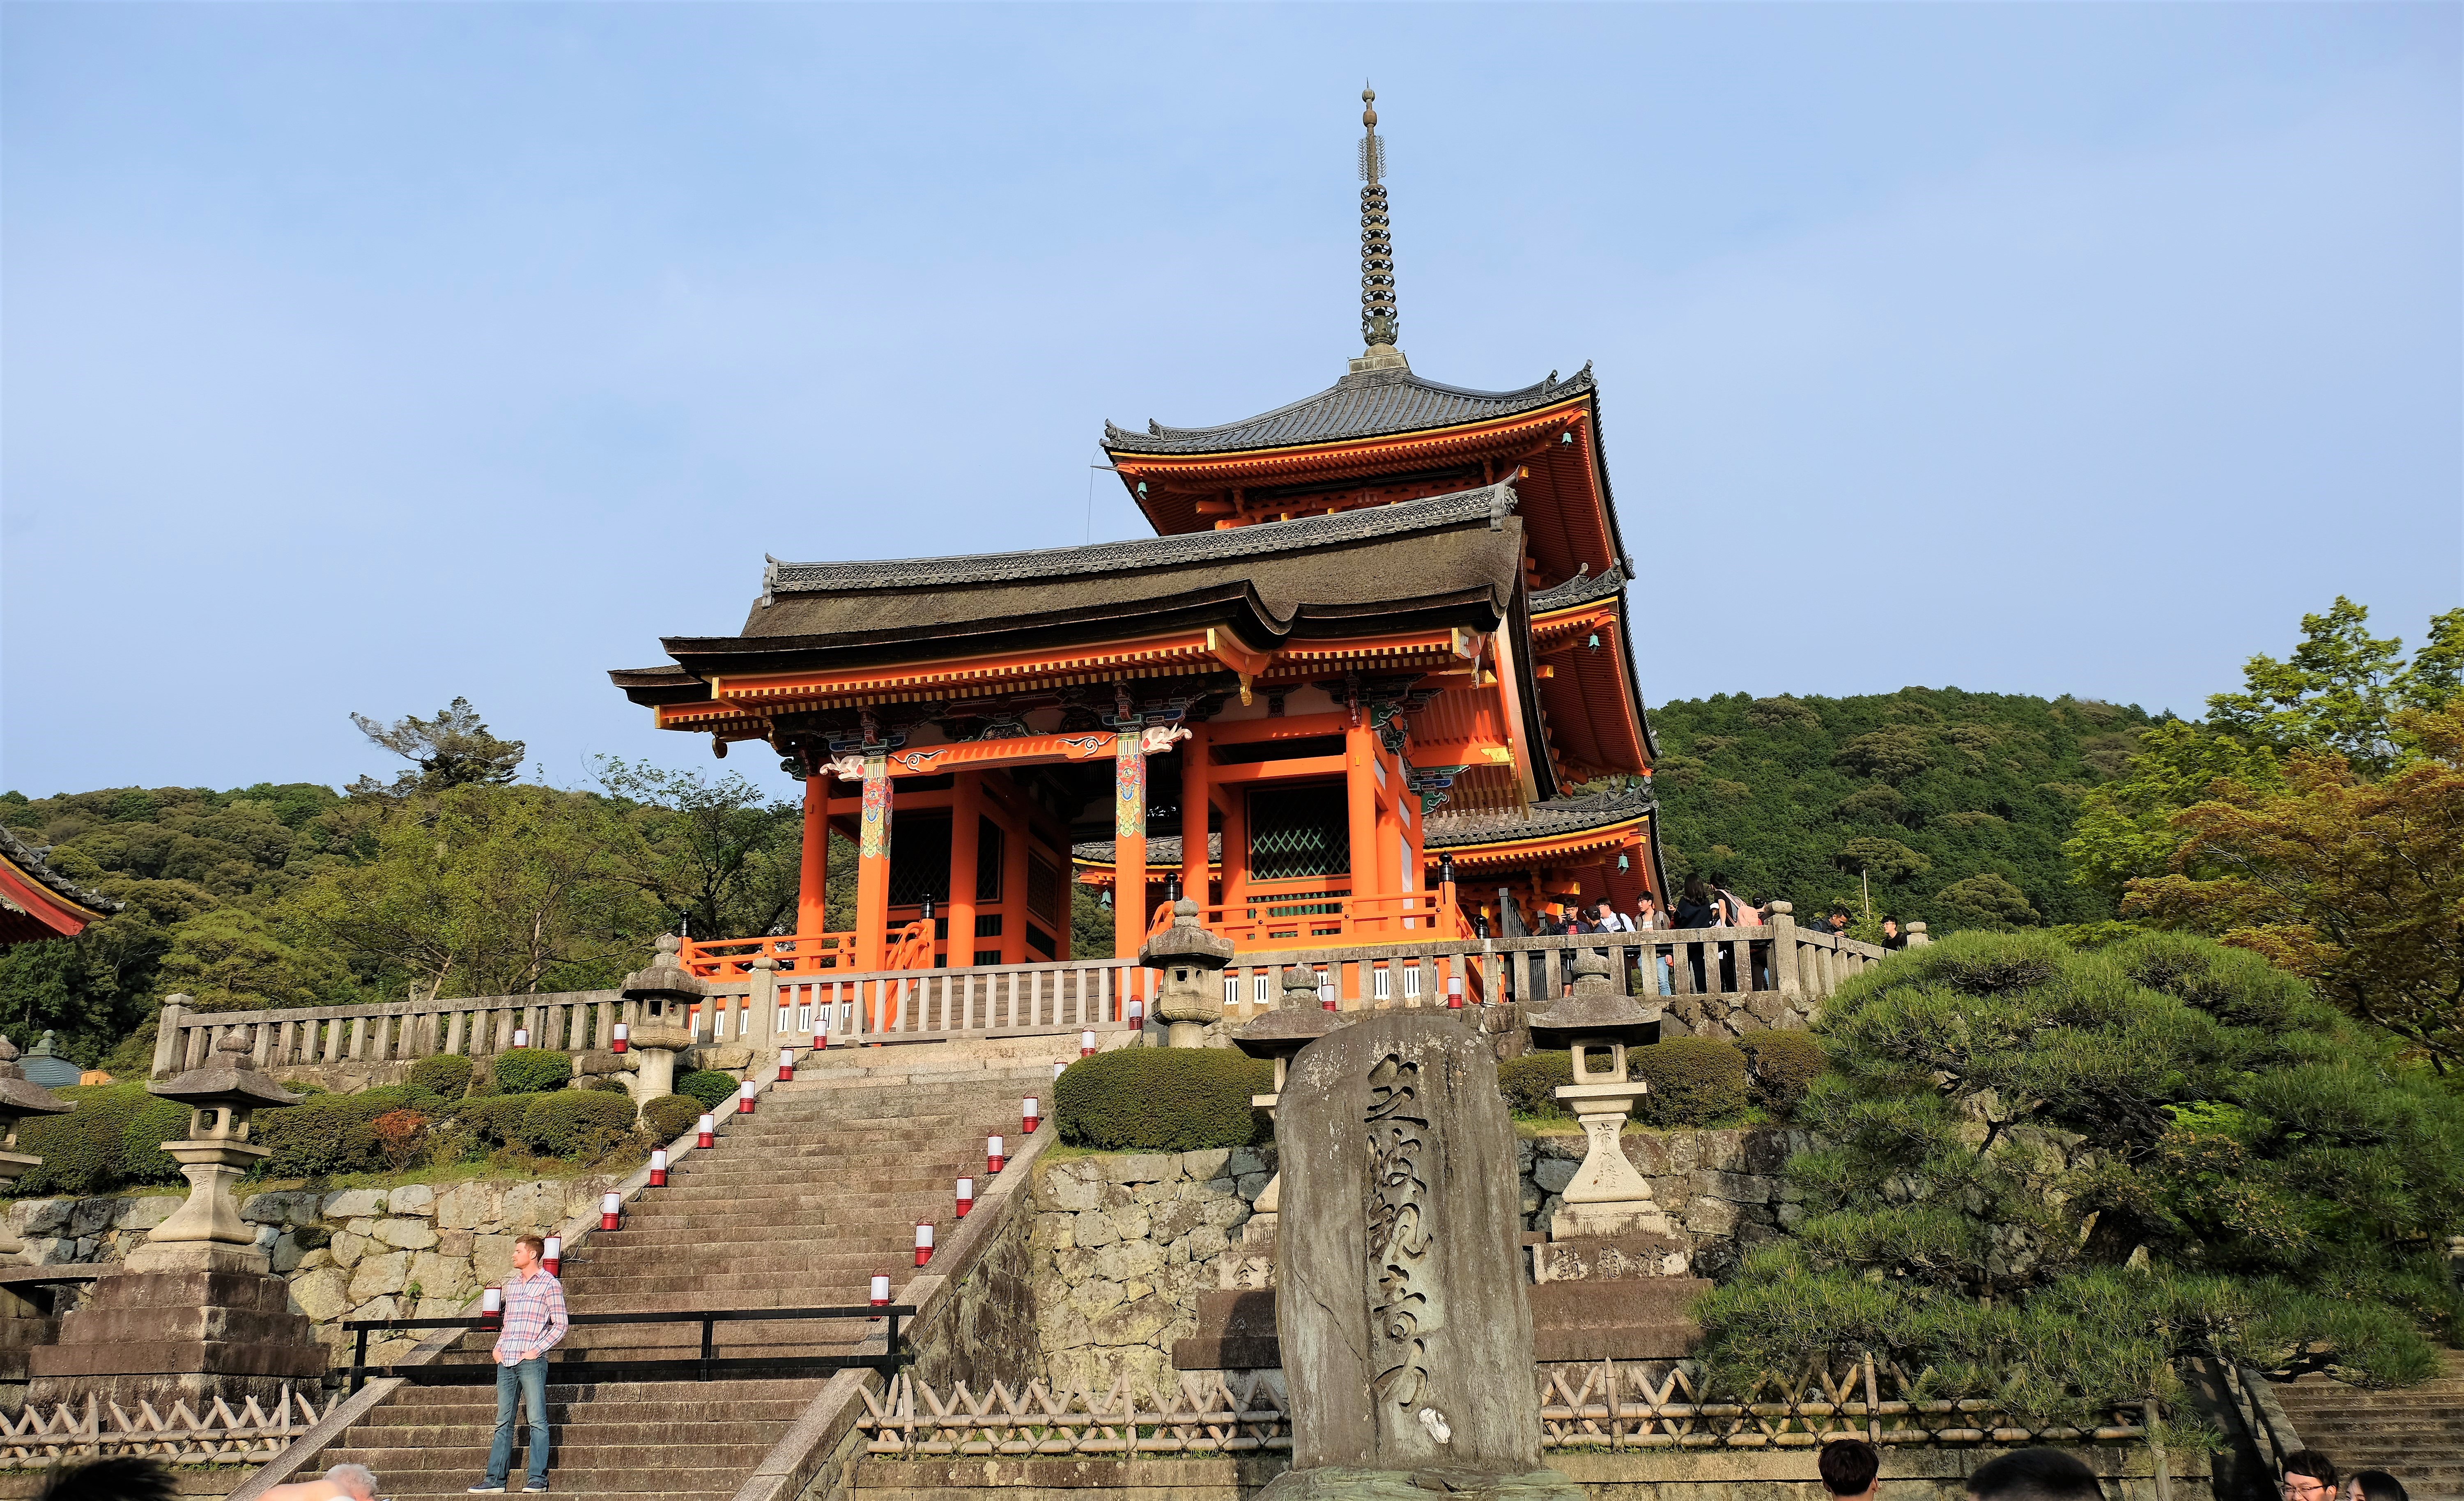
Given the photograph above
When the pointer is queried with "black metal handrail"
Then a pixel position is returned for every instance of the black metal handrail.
(579, 1361)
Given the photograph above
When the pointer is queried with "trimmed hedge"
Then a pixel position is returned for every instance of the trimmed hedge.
(335, 1133)
(1780, 1067)
(86, 1151)
(498, 1119)
(156, 1121)
(579, 1123)
(447, 1075)
(1694, 1080)
(669, 1116)
(709, 1086)
(1162, 1100)
(1528, 1083)
(527, 1070)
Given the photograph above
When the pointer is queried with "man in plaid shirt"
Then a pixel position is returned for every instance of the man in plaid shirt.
(534, 1322)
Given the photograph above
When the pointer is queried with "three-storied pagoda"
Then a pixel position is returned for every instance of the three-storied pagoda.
(1380, 637)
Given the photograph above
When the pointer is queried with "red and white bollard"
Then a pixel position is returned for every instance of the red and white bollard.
(1058, 1064)
(881, 1292)
(702, 1134)
(1028, 1114)
(744, 1093)
(994, 1156)
(787, 1065)
(659, 1169)
(521, 1036)
(612, 1212)
(1454, 993)
(618, 1044)
(553, 1257)
(492, 1309)
(966, 1196)
(1087, 1044)
(1136, 1012)
(923, 1242)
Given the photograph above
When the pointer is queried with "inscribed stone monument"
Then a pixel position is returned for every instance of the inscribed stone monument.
(1399, 1298)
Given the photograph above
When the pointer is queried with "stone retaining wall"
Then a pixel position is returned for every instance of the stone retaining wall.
(1120, 1245)
(347, 1254)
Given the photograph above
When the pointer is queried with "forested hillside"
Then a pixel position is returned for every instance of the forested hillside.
(1954, 805)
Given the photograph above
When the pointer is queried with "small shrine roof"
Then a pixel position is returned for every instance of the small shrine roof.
(1543, 820)
(1367, 404)
(1581, 589)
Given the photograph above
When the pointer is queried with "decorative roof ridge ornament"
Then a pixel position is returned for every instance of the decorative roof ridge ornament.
(1380, 325)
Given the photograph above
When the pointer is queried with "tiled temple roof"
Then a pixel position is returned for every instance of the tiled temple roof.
(30, 859)
(1491, 502)
(1544, 821)
(1371, 403)
(1582, 589)
(1163, 852)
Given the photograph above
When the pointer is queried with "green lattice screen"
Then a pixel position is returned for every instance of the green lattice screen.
(919, 858)
(1300, 831)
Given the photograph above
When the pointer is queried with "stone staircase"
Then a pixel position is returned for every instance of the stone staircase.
(2415, 1434)
(800, 1204)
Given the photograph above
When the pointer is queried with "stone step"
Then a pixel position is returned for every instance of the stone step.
(482, 1400)
(587, 1417)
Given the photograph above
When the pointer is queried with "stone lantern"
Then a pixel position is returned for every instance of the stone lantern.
(666, 993)
(1192, 960)
(1607, 1196)
(195, 1313)
(221, 1097)
(18, 1100)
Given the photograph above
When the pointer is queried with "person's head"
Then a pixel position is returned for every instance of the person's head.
(1838, 916)
(353, 1480)
(1720, 880)
(1647, 903)
(527, 1251)
(1849, 1468)
(1890, 928)
(1602, 907)
(122, 1477)
(2376, 1485)
(1694, 888)
(2309, 1477)
(2034, 1474)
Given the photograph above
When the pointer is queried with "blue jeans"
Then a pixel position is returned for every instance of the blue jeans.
(532, 1378)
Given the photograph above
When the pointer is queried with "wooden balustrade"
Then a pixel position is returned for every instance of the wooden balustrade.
(1306, 917)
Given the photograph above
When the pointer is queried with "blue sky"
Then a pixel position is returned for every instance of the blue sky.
(356, 357)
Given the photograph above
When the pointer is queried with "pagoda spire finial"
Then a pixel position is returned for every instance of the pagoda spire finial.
(1378, 325)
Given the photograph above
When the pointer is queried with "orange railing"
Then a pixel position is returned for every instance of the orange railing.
(1266, 918)
(803, 955)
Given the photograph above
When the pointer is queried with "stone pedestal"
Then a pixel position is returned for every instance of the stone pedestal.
(1404, 1324)
(186, 1322)
(1607, 1196)
(654, 1077)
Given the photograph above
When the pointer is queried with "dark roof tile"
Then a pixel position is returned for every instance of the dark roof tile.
(1371, 403)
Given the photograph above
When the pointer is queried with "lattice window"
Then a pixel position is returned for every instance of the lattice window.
(1042, 888)
(989, 849)
(1298, 832)
(919, 859)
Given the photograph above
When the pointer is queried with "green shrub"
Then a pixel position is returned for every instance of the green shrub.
(669, 1116)
(498, 1119)
(85, 1151)
(580, 1124)
(1530, 1083)
(1164, 1099)
(143, 1159)
(710, 1086)
(610, 1085)
(1780, 1067)
(1694, 1080)
(327, 1136)
(525, 1071)
(447, 1075)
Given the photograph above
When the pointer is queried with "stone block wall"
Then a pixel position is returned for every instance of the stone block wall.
(347, 1254)
(1734, 1016)
(1723, 1190)
(1120, 1245)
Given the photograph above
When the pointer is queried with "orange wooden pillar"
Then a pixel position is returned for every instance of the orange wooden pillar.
(966, 821)
(872, 867)
(813, 869)
(1236, 845)
(1361, 799)
(1129, 845)
(1195, 790)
